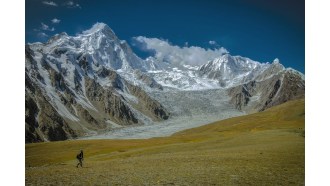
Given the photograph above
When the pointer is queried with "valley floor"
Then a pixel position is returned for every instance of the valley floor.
(188, 109)
(266, 148)
(161, 129)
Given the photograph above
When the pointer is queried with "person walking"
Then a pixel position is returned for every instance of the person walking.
(80, 158)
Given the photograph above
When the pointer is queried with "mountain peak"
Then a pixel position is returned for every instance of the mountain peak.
(276, 64)
(98, 27)
(57, 36)
(276, 61)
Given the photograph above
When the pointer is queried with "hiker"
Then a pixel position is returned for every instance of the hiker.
(80, 158)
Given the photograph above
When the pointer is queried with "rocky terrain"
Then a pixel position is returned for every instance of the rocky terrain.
(93, 85)
(188, 109)
(261, 93)
(68, 95)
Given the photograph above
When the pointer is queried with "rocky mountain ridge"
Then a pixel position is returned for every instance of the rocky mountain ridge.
(81, 85)
(73, 89)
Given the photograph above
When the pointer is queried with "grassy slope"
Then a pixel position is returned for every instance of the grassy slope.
(266, 148)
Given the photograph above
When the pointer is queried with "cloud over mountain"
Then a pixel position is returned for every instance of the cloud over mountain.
(165, 51)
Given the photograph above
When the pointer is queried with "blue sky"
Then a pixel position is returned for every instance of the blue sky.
(259, 29)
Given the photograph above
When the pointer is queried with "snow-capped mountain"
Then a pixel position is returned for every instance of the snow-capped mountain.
(100, 47)
(225, 71)
(74, 86)
(275, 85)
(81, 85)
(232, 70)
(180, 78)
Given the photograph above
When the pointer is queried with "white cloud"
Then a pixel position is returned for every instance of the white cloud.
(56, 21)
(46, 27)
(49, 3)
(163, 50)
(71, 4)
(212, 42)
(42, 35)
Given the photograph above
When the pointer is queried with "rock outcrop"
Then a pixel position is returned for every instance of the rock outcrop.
(258, 95)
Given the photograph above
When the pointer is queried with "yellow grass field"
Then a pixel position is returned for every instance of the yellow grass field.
(266, 148)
